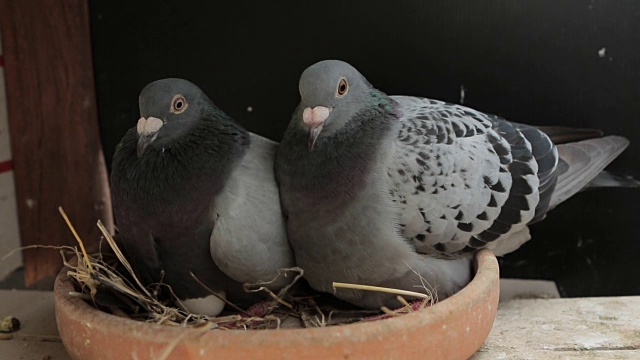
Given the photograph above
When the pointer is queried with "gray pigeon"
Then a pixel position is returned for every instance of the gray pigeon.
(400, 191)
(195, 192)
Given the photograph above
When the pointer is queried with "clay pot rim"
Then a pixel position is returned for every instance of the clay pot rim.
(481, 286)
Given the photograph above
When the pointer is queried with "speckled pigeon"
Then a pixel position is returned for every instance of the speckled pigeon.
(400, 191)
(194, 192)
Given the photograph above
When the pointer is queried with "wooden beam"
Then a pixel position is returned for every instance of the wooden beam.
(53, 121)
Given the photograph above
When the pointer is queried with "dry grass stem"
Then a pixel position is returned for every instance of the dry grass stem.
(120, 256)
(281, 294)
(387, 311)
(402, 300)
(380, 289)
(430, 290)
(75, 234)
(28, 247)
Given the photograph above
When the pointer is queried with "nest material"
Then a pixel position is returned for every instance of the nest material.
(108, 282)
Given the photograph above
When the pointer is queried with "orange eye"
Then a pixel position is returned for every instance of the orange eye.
(343, 87)
(178, 104)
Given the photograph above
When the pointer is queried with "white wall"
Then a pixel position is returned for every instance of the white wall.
(9, 235)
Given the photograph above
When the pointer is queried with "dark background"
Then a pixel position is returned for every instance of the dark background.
(537, 62)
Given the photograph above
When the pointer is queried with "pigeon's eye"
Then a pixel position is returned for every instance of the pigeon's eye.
(178, 104)
(343, 87)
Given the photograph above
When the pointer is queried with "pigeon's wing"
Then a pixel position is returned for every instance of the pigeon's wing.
(249, 240)
(465, 180)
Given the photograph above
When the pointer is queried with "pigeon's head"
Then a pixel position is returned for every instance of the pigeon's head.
(331, 92)
(168, 108)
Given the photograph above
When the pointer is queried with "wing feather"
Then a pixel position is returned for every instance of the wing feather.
(465, 180)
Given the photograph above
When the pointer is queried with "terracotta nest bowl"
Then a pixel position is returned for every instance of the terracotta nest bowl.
(451, 329)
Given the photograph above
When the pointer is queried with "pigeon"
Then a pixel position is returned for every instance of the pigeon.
(195, 193)
(401, 191)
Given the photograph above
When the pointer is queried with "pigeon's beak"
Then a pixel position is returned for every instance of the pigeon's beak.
(147, 132)
(314, 119)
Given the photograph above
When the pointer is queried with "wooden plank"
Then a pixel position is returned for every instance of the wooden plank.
(38, 335)
(583, 328)
(57, 153)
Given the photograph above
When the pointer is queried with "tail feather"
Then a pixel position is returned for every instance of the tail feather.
(580, 162)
